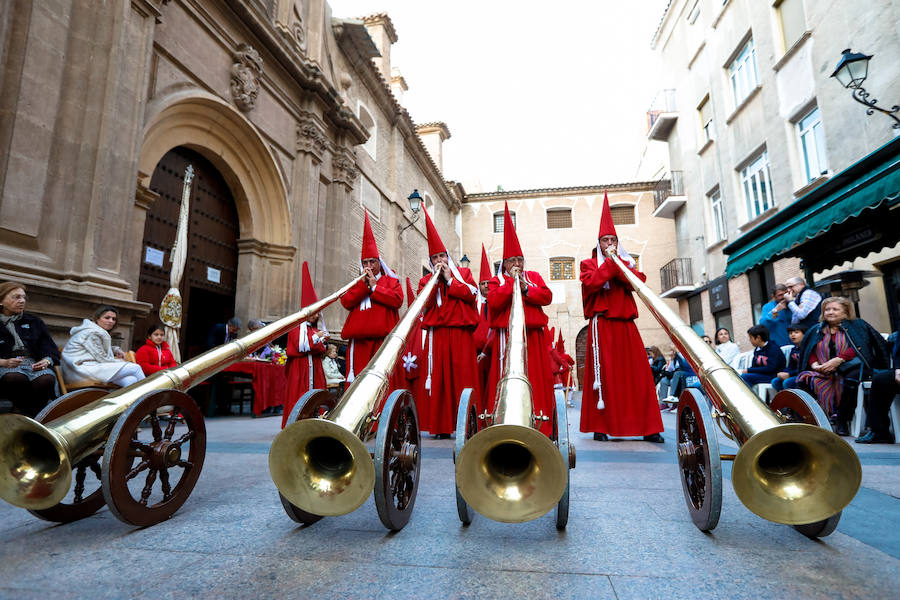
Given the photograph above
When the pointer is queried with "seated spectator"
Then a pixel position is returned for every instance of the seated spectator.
(155, 354)
(333, 377)
(725, 348)
(787, 379)
(222, 333)
(836, 355)
(804, 303)
(657, 363)
(264, 353)
(706, 339)
(768, 359)
(27, 354)
(885, 385)
(89, 356)
(678, 375)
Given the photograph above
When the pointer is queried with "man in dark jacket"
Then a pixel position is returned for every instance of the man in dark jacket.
(885, 385)
(768, 359)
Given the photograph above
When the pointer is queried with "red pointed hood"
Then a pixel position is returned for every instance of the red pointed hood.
(486, 271)
(369, 247)
(511, 245)
(410, 295)
(435, 245)
(607, 227)
(307, 291)
(560, 345)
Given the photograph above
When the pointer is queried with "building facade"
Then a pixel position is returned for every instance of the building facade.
(753, 122)
(289, 115)
(557, 229)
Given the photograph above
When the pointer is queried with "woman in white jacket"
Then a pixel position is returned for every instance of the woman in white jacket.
(89, 356)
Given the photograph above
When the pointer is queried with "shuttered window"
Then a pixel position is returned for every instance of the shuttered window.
(498, 221)
(562, 268)
(622, 215)
(559, 218)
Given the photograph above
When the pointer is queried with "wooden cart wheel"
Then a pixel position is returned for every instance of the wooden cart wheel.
(699, 460)
(139, 445)
(561, 437)
(466, 427)
(314, 403)
(800, 407)
(397, 463)
(86, 472)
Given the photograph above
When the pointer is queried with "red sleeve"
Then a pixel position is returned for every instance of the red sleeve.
(388, 292)
(593, 277)
(432, 299)
(460, 291)
(499, 296)
(315, 347)
(293, 343)
(621, 276)
(538, 294)
(355, 295)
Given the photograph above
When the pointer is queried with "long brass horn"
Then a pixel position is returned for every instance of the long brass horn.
(36, 459)
(322, 465)
(510, 471)
(790, 473)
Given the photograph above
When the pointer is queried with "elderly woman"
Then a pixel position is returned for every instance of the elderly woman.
(89, 356)
(835, 355)
(725, 348)
(27, 353)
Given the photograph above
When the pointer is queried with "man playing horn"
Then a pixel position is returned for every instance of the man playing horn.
(451, 318)
(373, 303)
(305, 350)
(618, 397)
(535, 295)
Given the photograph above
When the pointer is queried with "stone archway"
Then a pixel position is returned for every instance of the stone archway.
(206, 124)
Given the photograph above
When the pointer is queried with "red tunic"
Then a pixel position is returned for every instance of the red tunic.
(538, 369)
(365, 329)
(449, 364)
(631, 406)
(411, 364)
(484, 339)
(304, 369)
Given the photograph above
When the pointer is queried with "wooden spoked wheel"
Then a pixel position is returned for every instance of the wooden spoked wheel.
(466, 427)
(560, 435)
(799, 407)
(397, 460)
(699, 460)
(86, 494)
(312, 404)
(145, 448)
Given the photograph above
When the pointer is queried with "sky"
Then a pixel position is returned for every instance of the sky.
(535, 94)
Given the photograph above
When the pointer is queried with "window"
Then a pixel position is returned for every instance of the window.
(562, 268)
(498, 221)
(559, 218)
(497, 265)
(706, 120)
(812, 145)
(717, 217)
(761, 281)
(622, 214)
(368, 122)
(695, 313)
(637, 260)
(742, 72)
(695, 12)
(793, 22)
(757, 186)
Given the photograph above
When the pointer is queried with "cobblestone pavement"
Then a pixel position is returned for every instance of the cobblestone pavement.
(629, 536)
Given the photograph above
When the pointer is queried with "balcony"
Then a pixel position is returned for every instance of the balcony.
(676, 279)
(661, 116)
(668, 195)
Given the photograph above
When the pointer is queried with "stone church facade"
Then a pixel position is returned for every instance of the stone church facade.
(292, 127)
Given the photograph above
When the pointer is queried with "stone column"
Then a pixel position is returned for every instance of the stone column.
(266, 278)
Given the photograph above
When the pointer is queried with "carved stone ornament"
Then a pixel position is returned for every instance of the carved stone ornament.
(245, 74)
(310, 138)
(344, 168)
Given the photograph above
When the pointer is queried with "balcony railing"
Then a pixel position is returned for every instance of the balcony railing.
(676, 273)
(664, 102)
(671, 186)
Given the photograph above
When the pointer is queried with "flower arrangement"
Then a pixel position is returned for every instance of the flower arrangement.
(278, 356)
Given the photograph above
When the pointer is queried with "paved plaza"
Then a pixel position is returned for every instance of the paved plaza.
(629, 536)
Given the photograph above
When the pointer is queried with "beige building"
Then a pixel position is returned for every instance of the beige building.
(290, 116)
(753, 123)
(557, 229)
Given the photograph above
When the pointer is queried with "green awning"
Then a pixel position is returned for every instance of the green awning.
(854, 194)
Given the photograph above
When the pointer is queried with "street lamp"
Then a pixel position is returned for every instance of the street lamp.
(464, 262)
(415, 203)
(851, 72)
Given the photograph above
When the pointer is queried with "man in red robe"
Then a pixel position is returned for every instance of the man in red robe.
(373, 304)
(568, 362)
(483, 337)
(412, 360)
(618, 397)
(451, 318)
(305, 349)
(535, 295)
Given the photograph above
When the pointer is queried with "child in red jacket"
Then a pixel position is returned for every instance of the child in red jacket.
(155, 355)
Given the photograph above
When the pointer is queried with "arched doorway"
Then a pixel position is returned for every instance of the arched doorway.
(580, 353)
(210, 276)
